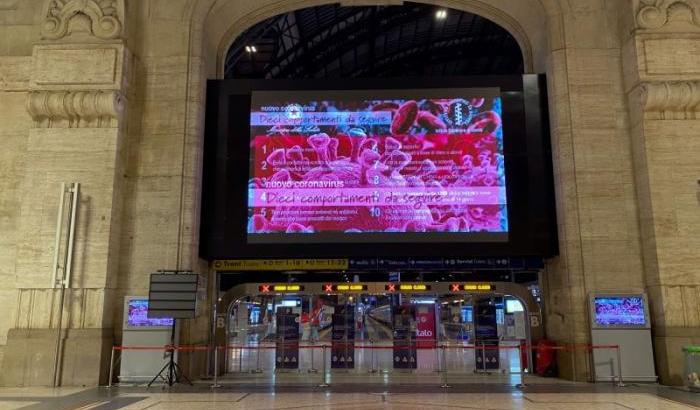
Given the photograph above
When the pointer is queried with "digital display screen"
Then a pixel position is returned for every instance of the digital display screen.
(513, 306)
(619, 311)
(138, 315)
(424, 165)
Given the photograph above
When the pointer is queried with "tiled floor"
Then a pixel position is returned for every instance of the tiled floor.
(494, 396)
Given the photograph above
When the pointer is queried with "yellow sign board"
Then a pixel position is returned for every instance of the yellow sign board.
(279, 264)
(414, 286)
(478, 286)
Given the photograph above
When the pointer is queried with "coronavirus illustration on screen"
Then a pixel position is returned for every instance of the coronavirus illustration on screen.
(354, 167)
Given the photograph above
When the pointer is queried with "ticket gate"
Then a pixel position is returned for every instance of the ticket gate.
(393, 325)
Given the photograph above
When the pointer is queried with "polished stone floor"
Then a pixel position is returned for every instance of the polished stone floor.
(538, 396)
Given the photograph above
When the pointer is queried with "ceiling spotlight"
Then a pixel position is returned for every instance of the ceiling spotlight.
(441, 14)
(251, 49)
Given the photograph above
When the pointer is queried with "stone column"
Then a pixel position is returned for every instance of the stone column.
(76, 100)
(597, 217)
(662, 71)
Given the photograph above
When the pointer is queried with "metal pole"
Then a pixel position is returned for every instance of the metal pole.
(111, 368)
(371, 357)
(483, 356)
(257, 360)
(59, 228)
(619, 368)
(313, 368)
(216, 368)
(71, 233)
(65, 281)
(573, 363)
(323, 373)
(444, 385)
(240, 359)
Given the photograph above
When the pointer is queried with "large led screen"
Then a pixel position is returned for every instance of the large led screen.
(619, 311)
(424, 165)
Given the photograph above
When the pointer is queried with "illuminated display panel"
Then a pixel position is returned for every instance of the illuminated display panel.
(424, 165)
(619, 311)
(344, 287)
(471, 287)
(406, 287)
(138, 316)
(233, 170)
(265, 288)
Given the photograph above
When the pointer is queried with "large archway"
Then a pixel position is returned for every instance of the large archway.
(410, 40)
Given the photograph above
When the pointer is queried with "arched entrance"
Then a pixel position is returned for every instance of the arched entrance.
(218, 34)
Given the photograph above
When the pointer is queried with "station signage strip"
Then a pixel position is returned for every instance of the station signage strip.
(343, 287)
(280, 264)
(371, 264)
(392, 287)
(472, 287)
(271, 288)
(407, 287)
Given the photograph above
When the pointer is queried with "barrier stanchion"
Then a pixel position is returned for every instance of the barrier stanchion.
(483, 357)
(240, 359)
(372, 369)
(257, 360)
(216, 368)
(620, 383)
(573, 364)
(313, 368)
(111, 368)
(323, 373)
(444, 385)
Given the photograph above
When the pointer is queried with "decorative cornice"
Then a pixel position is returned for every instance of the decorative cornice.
(663, 14)
(671, 100)
(75, 109)
(99, 18)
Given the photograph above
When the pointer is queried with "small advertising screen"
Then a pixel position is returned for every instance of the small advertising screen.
(138, 316)
(623, 311)
(424, 165)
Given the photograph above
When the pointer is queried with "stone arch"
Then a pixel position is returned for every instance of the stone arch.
(219, 22)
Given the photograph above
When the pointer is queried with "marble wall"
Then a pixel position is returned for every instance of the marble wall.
(111, 94)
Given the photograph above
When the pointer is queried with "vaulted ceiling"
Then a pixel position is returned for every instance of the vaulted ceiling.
(382, 41)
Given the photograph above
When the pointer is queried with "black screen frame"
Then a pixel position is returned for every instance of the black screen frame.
(528, 162)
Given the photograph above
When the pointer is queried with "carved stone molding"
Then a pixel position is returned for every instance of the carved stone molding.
(671, 100)
(75, 109)
(103, 19)
(667, 14)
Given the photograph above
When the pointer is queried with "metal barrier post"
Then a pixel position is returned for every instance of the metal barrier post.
(483, 356)
(312, 369)
(257, 360)
(240, 359)
(111, 368)
(437, 356)
(573, 363)
(323, 373)
(444, 385)
(216, 368)
(620, 383)
(371, 360)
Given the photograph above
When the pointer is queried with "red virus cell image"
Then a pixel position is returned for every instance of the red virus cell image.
(346, 166)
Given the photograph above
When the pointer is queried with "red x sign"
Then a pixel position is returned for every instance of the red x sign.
(454, 287)
(328, 288)
(391, 287)
(264, 288)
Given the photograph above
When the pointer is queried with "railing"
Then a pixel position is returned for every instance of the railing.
(373, 357)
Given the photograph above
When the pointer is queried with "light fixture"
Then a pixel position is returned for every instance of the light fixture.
(441, 14)
(251, 49)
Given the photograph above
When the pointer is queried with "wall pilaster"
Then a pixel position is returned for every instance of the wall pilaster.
(662, 66)
(76, 102)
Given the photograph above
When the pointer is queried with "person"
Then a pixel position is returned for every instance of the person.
(305, 326)
(315, 322)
